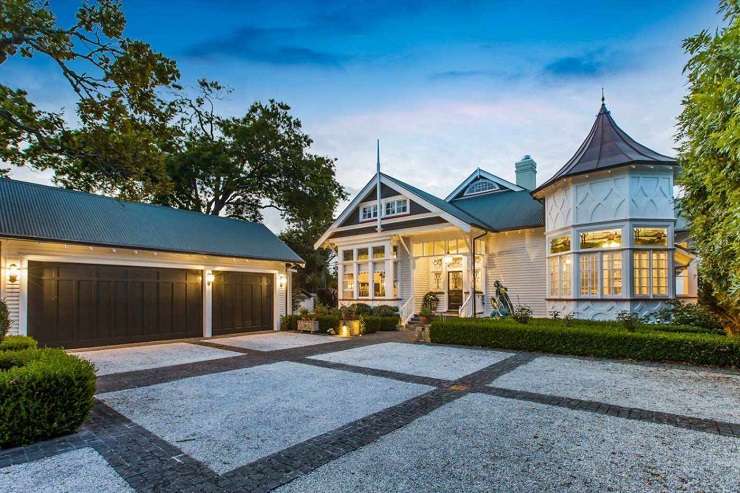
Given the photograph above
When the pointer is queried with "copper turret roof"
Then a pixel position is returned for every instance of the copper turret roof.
(607, 146)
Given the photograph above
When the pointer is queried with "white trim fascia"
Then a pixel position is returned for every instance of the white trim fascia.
(406, 193)
(363, 239)
(390, 220)
(481, 173)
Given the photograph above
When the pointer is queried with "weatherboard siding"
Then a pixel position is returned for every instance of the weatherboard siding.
(517, 259)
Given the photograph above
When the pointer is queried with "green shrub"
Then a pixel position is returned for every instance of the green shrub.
(586, 338)
(385, 311)
(43, 393)
(689, 314)
(629, 320)
(4, 319)
(17, 343)
(373, 324)
(360, 309)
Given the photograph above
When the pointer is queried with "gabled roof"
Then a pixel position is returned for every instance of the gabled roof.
(606, 146)
(39, 212)
(478, 174)
(506, 210)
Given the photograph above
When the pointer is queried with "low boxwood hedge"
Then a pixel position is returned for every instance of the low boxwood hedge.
(606, 340)
(17, 343)
(43, 393)
(375, 324)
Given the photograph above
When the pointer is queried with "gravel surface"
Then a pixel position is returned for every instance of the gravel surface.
(276, 341)
(484, 443)
(449, 363)
(121, 360)
(691, 392)
(229, 419)
(78, 471)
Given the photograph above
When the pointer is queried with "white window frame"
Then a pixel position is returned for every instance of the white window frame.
(368, 211)
(494, 188)
(595, 277)
(565, 278)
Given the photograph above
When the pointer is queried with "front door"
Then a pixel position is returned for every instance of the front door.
(454, 289)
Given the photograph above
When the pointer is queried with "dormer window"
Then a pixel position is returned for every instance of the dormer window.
(481, 186)
(392, 206)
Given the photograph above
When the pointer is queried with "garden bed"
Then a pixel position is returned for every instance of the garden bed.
(599, 339)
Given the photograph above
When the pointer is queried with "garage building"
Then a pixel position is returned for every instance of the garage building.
(83, 270)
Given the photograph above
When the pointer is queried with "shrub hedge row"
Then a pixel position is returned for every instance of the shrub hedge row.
(591, 339)
(17, 343)
(326, 322)
(43, 393)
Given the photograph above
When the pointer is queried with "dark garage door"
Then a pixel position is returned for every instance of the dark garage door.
(242, 302)
(82, 305)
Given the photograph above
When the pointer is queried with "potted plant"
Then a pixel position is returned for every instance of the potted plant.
(351, 323)
(425, 315)
(430, 301)
(307, 322)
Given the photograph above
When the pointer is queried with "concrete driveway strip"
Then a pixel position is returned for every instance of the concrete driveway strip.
(82, 470)
(230, 419)
(481, 443)
(689, 392)
(119, 360)
(276, 341)
(443, 362)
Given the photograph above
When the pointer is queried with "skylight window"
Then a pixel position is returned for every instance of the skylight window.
(481, 186)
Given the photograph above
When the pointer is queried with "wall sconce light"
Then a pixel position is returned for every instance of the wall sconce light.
(13, 273)
(210, 277)
(282, 281)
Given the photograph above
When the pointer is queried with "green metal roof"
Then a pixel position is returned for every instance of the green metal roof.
(507, 210)
(39, 212)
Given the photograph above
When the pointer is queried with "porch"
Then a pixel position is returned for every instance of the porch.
(400, 270)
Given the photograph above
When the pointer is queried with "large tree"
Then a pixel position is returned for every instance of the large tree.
(122, 117)
(709, 137)
(239, 166)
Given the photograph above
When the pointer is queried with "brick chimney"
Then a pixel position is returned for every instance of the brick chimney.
(526, 173)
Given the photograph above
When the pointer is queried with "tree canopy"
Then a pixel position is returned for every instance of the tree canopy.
(709, 137)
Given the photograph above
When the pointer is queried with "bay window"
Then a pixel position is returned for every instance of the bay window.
(650, 272)
(660, 272)
(364, 272)
(607, 238)
(348, 285)
(560, 272)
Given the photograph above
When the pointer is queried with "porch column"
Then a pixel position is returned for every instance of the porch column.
(389, 270)
(340, 280)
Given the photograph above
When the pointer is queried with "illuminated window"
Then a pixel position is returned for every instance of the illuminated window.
(362, 254)
(560, 244)
(641, 273)
(348, 255)
(611, 268)
(660, 273)
(363, 281)
(608, 238)
(480, 246)
(481, 186)
(651, 236)
(378, 252)
(589, 274)
(348, 285)
(379, 279)
(560, 273)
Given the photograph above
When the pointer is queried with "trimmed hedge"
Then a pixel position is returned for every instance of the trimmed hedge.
(605, 340)
(17, 343)
(375, 324)
(43, 393)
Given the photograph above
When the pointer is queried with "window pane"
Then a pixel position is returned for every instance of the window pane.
(452, 247)
(560, 244)
(363, 284)
(378, 252)
(462, 246)
(348, 255)
(640, 273)
(440, 248)
(565, 270)
(401, 206)
(428, 248)
(660, 273)
(379, 279)
(480, 246)
(554, 276)
(589, 275)
(608, 238)
(651, 236)
(418, 249)
(612, 273)
(362, 254)
(390, 208)
(348, 285)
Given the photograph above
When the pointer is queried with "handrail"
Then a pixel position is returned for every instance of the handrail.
(479, 308)
(404, 311)
(464, 306)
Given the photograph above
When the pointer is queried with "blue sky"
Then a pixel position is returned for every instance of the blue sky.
(446, 86)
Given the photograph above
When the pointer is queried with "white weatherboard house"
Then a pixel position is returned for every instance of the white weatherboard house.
(597, 238)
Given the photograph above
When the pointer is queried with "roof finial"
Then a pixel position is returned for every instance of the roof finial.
(602, 95)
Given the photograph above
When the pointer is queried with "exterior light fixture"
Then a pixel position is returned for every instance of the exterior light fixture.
(210, 277)
(282, 281)
(13, 273)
